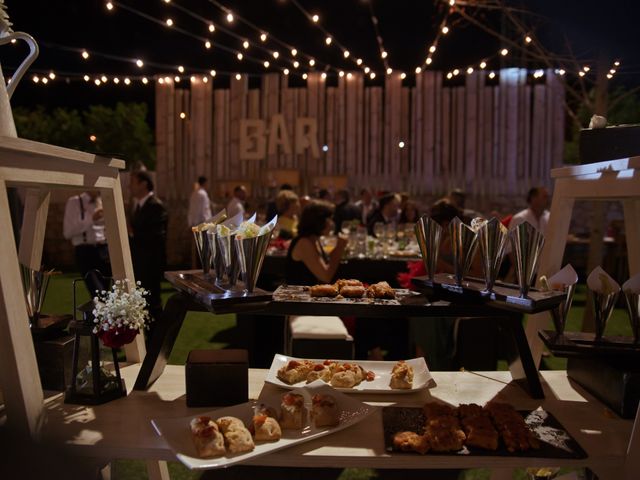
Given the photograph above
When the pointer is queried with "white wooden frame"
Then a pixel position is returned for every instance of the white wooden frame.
(610, 180)
(40, 168)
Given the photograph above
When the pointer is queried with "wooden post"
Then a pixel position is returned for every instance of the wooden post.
(34, 226)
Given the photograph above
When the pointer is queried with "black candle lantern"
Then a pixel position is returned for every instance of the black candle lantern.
(91, 385)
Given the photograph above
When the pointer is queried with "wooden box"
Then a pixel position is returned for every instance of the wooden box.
(217, 377)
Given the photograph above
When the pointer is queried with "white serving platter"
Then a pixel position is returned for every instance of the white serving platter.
(177, 433)
(422, 378)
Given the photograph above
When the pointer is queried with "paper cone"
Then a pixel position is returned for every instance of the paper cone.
(429, 234)
(227, 247)
(492, 240)
(251, 253)
(204, 248)
(526, 244)
(464, 245)
(631, 289)
(605, 294)
(565, 281)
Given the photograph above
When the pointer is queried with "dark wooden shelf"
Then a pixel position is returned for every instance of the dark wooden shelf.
(579, 344)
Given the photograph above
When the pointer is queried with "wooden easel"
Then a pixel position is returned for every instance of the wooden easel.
(609, 180)
(40, 168)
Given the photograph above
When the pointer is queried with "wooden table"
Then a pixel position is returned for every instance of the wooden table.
(121, 429)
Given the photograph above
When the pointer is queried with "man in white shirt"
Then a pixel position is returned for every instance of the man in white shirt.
(367, 204)
(236, 204)
(199, 204)
(83, 224)
(536, 214)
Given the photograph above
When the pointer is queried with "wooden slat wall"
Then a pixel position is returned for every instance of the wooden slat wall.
(488, 138)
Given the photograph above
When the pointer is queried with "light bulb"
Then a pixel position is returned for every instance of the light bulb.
(445, 30)
(109, 6)
(145, 80)
(403, 76)
(349, 75)
(504, 52)
(346, 54)
(139, 63)
(85, 54)
(167, 79)
(341, 74)
(586, 69)
(266, 64)
(367, 69)
(286, 71)
(401, 144)
(315, 18)
(582, 74)
(312, 62)
(561, 72)
(328, 40)
(389, 71)
(183, 115)
(161, 81)
(294, 52)
(93, 138)
(230, 17)
(176, 79)
(359, 61)
(127, 81)
(193, 79)
(470, 70)
(483, 65)
(456, 71)
(169, 22)
(304, 76)
(35, 79)
(609, 76)
(616, 63)
(383, 54)
(323, 75)
(212, 73)
(263, 37)
(181, 69)
(238, 76)
(86, 78)
(276, 54)
(207, 44)
(52, 75)
(205, 79)
(96, 81)
(428, 61)
(432, 49)
(492, 75)
(418, 69)
(372, 75)
(240, 56)
(449, 75)
(104, 79)
(212, 27)
(296, 64)
(528, 39)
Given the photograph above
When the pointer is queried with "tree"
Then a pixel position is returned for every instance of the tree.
(121, 131)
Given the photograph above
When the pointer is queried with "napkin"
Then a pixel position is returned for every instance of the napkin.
(599, 281)
(564, 277)
(632, 285)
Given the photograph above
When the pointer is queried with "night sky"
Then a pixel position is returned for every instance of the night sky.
(407, 28)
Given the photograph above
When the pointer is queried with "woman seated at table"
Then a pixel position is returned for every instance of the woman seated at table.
(409, 213)
(288, 207)
(307, 261)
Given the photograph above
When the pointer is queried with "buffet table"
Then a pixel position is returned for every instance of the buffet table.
(122, 429)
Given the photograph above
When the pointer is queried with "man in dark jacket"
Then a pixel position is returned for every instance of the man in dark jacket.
(149, 238)
(345, 210)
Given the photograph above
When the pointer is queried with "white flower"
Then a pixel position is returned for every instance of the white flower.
(121, 307)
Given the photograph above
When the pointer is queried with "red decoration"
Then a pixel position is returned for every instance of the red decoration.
(117, 337)
(416, 269)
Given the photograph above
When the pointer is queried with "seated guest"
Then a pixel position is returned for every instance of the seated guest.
(325, 195)
(367, 204)
(307, 262)
(458, 198)
(288, 207)
(345, 210)
(272, 210)
(386, 213)
(536, 213)
(409, 213)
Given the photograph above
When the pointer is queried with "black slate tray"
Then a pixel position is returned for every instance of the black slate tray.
(504, 296)
(555, 442)
(214, 297)
(580, 344)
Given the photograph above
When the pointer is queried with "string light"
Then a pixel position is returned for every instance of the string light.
(312, 62)
(35, 79)
(116, 80)
(263, 37)
(492, 75)
(581, 73)
(349, 75)
(367, 69)
(323, 75)
(193, 79)
(276, 54)
(86, 78)
(304, 76)
(401, 144)
(207, 44)
(359, 61)
(109, 6)
(612, 71)
(169, 22)
(104, 78)
(445, 30)
(205, 79)
(346, 54)
(181, 69)
(85, 54)
(212, 73)
(389, 71)
(372, 75)
(403, 76)
(561, 71)
(504, 52)
(286, 71)
(586, 69)
(97, 82)
(245, 45)
(428, 61)
(538, 74)
(456, 72)
(383, 54)
(127, 81)
(161, 81)
(616, 63)
(92, 138)
(145, 80)
(296, 64)
(341, 74)
(609, 76)
(240, 56)
(266, 64)
(176, 79)
(230, 17)
(483, 65)
(315, 18)
(528, 39)
(52, 75)
(470, 70)
(432, 49)
(212, 27)
(418, 69)
(294, 52)
(449, 75)
(328, 40)
(238, 76)
(139, 63)
(183, 115)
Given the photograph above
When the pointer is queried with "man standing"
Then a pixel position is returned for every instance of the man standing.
(236, 204)
(148, 243)
(199, 204)
(83, 224)
(536, 214)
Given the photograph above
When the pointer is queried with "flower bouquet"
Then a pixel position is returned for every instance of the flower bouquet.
(120, 313)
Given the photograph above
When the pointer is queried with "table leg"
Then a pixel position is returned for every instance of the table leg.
(523, 370)
(157, 470)
(162, 340)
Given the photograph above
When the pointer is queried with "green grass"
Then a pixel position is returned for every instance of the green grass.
(200, 329)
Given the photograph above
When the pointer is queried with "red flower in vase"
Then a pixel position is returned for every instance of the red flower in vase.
(117, 337)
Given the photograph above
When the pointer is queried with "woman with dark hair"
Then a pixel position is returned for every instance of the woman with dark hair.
(409, 213)
(307, 262)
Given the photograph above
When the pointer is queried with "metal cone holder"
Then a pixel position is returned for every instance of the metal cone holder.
(251, 253)
(633, 308)
(216, 256)
(526, 244)
(429, 234)
(603, 304)
(492, 241)
(559, 314)
(229, 257)
(205, 249)
(34, 284)
(464, 245)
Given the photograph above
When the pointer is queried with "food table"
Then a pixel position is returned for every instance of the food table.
(122, 429)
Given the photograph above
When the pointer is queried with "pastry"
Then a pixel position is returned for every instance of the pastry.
(381, 290)
(266, 428)
(207, 438)
(325, 290)
(295, 371)
(238, 439)
(352, 291)
(347, 283)
(513, 430)
(401, 376)
(480, 432)
(411, 442)
(324, 411)
(293, 412)
(319, 372)
(229, 423)
(433, 409)
(344, 379)
(444, 434)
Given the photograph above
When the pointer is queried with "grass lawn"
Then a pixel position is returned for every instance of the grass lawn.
(201, 329)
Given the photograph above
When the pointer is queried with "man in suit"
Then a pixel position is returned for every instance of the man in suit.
(345, 210)
(149, 239)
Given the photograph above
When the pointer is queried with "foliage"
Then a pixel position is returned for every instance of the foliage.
(121, 131)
